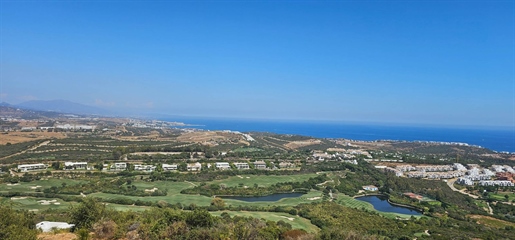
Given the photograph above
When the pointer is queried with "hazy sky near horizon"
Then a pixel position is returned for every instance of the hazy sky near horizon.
(437, 62)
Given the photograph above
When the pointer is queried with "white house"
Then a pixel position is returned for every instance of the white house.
(241, 165)
(32, 167)
(194, 166)
(75, 165)
(145, 168)
(222, 165)
(169, 167)
(119, 166)
(47, 226)
(260, 164)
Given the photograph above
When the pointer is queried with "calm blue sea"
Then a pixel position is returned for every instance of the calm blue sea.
(495, 139)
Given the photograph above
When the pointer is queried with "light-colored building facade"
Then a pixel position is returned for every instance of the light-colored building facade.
(222, 165)
(144, 168)
(32, 167)
(241, 166)
(75, 165)
(260, 165)
(119, 166)
(169, 167)
(194, 166)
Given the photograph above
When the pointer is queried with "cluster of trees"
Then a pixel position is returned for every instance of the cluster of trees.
(167, 223)
(336, 220)
(15, 225)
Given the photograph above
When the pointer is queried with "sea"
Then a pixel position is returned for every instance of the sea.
(497, 139)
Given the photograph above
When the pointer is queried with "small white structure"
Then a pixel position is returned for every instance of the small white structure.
(32, 167)
(260, 165)
(194, 166)
(47, 226)
(222, 165)
(144, 168)
(119, 166)
(241, 165)
(370, 188)
(75, 165)
(169, 167)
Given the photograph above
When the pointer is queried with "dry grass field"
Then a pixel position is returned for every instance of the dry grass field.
(299, 144)
(19, 137)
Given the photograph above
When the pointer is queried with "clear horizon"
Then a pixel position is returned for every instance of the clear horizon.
(420, 63)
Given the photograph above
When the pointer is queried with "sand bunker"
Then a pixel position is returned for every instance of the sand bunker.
(314, 198)
(289, 218)
(10, 184)
(151, 190)
(239, 176)
(48, 202)
(35, 187)
(18, 198)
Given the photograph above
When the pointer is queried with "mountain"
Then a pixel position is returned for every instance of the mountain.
(4, 104)
(62, 106)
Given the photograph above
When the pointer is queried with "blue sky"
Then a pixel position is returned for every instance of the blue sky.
(430, 62)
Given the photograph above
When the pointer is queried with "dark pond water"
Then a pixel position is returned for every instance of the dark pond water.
(381, 204)
(268, 198)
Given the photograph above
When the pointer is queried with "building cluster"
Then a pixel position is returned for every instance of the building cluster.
(154, 124)
(344, 155)
(427, 171)
(485, 177)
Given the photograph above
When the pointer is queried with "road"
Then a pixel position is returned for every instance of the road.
(450, 183)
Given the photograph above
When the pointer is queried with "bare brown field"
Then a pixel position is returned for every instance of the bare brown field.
(57, 236)
(207, 136)
(19, 137)
(299, 144)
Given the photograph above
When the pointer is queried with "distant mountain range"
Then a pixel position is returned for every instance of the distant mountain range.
(60, 106)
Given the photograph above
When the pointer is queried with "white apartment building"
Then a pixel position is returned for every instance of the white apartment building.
(32, 167)
(222, 165)
(144, 168)
(241, 166)
(169, 167)
(75, 165)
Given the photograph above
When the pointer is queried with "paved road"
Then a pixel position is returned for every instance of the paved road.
(450, 183)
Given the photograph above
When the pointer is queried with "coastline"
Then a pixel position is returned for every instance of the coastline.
(497, 140)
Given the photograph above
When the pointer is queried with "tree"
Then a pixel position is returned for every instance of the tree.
(218, 202)
(87, 213)
(200, 218)
(16, 224)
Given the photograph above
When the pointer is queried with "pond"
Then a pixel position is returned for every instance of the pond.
(269, 198)
(381, 204)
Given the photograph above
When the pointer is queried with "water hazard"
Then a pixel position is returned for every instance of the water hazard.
(381, 204)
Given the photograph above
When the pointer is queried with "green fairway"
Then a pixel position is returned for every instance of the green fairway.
(186, 199)
(32, 186)
(295, 221)
(262, 180)
(173, 190)
(501, 196)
